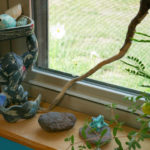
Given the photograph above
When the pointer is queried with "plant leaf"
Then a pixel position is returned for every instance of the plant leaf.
(146, 135)
(72, 148)
(83, 133)
(103, 133)
(118, 143)
(115, 129)
(82, 146)
(88, 145)
(72, 139)
(132, 133)
(138, 145)
(143, 34)
(66, 139)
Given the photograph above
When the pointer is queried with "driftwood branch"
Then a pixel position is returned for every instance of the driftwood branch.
(143, 11)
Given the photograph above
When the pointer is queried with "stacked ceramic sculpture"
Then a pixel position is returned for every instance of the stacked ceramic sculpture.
(14, 104)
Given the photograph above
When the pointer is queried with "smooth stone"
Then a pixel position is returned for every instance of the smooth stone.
(56, 121)
(93, 137)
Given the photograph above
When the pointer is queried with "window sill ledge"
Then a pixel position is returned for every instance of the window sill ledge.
(29, 133)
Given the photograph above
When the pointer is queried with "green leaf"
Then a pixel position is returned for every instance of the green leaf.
(145, 130)
(111, 122)
(92, 130)
(139, 97)
(103, 133)
(138, 145)
(83, 133)
(144, 41)
(88, 145)
(146, 135)
(132, 133)
(82, 146)
(98, 143)
(143, 34)
(72, 148)
(133, 145)
(85, 126)
(127, 143)
(114, 106)
(116, 116)
(67, 139)
(126, 98)
(118, 143)
(115, 129)
(72, 139)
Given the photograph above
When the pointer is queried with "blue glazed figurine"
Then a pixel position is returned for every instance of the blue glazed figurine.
(7, 21)
(98, 123)
(14, 104)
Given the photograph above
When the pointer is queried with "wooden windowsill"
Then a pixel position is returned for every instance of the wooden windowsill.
(29, 133)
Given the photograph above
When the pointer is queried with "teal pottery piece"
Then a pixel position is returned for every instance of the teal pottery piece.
(22, 21)
(98, 123)
(7, 21)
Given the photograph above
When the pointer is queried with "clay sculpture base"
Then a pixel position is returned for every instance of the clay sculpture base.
(93, 137)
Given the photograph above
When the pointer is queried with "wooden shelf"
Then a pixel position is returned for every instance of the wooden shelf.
(29, 133)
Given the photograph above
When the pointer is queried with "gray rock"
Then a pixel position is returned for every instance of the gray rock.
(56, 121)
(93, 137)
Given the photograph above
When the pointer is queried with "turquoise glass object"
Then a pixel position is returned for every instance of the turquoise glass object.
(97, 123)
(7, 21)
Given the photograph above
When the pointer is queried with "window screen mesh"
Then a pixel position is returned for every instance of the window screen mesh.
(85, 32)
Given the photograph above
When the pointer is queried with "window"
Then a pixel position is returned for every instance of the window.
(69, 33)
(83, 33)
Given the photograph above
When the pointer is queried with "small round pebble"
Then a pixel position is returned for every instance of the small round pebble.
(56, 121)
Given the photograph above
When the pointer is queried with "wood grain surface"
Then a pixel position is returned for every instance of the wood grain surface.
(29, 133)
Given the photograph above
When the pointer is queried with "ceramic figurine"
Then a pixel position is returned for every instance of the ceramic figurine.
(7, 21)
(15, 11)
(12, 18)
(12, 72)
(24, 111)
(94, 129)
(98, 123)
(22, 21)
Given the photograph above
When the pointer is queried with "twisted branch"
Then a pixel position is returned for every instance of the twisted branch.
(143, 11)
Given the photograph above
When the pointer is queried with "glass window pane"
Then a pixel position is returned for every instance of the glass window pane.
(85, 32)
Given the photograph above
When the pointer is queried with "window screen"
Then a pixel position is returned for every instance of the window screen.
(85, 32)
